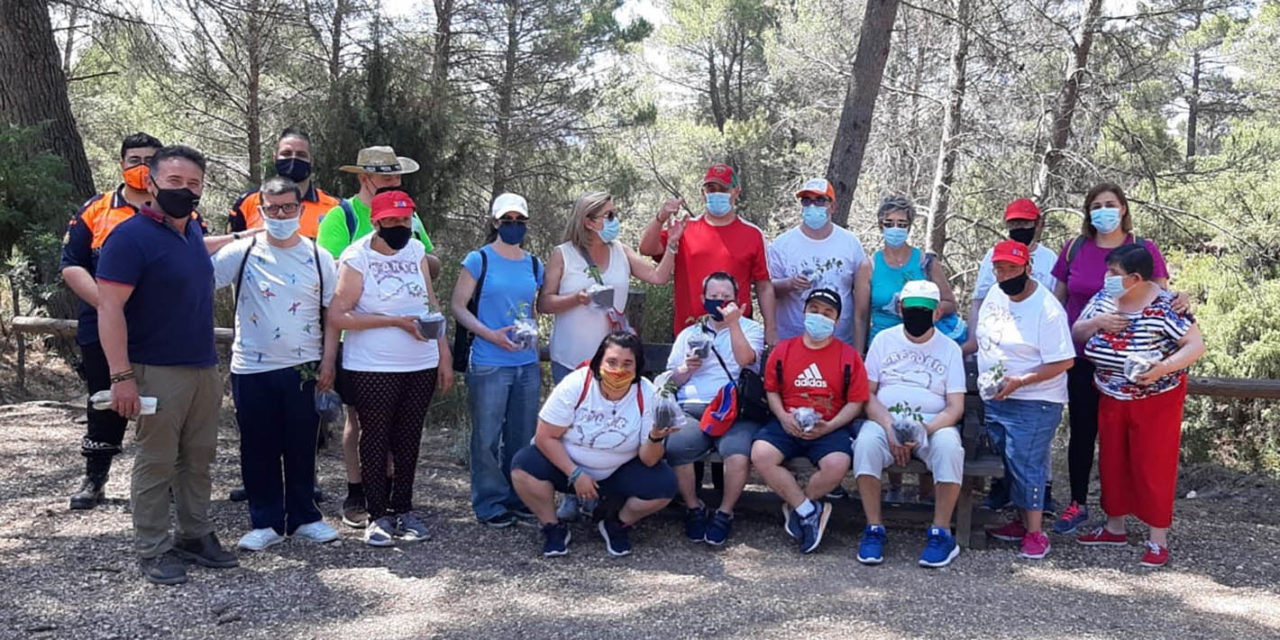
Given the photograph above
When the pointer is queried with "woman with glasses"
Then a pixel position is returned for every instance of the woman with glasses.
(494, 300)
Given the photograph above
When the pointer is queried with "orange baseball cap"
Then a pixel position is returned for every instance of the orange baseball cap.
(817, 187)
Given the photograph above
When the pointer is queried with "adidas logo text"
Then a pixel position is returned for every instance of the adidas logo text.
(811, 377)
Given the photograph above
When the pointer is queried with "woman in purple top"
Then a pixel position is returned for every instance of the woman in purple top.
(1080, 271)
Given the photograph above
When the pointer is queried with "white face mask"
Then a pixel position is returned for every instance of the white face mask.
(281, 229)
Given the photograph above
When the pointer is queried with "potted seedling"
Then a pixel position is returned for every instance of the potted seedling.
(991, 382)
(431, 324)
(806, 417)
(524, 331)
(907, 423)
(1140, 362)
(601, 295)
(667, 413)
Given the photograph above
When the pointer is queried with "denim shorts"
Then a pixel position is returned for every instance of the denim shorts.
(838, 441)
(1023, 431)
(692, 444)
(632, 480)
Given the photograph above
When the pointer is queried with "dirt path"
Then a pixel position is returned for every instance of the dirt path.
(71, 574)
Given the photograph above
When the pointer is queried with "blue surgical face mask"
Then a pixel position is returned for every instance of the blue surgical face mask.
(609, 232)
(712, 307)
(815, 216)
(895, 236)
(1105, 220)
(1114, 286)
(280, 229)
(818, 326)
(511, 232)
(718, 204)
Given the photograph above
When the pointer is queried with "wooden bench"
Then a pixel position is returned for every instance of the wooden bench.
(980, 464)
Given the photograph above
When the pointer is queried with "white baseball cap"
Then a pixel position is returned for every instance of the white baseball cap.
(507, 203)
(920, 293)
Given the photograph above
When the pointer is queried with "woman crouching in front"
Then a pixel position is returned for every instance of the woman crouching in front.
(596, 438)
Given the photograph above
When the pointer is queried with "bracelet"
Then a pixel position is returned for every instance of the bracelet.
(573, 477)
(657, 440)
(235, 235)
(127, 374)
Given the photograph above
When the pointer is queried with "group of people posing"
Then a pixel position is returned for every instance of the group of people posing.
(851, 361)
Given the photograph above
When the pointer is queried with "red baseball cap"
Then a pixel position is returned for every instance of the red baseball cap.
(721, 174)
(391, 204)
(1011, 251)
(1022, 209)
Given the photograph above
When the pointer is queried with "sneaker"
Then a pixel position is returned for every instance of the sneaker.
(319, 532)
(166, 568)
(695, 523)
(354, 514)
(1073, 516)
(205, 551)
(838, 493)
(556, 539)
(238, 495)
(940, 549)
(790, 522)
(500, 521)
(720, 528)
(410, 529)
(89, 495)
(568, 510)
(379, 532)
(1050, 506)
(1035, 545)
(1100, 537)
(524, 516)
(813, 526)
(616, 536)
(259, 539)
(998, 497)
(871, 548)
(1156, 555)
(1014, 531)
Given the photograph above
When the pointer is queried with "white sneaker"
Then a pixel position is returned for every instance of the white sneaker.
(379, 532)
(260, 539)
(318, 531)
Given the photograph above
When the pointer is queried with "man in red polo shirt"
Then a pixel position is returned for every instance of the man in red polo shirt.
(717, 241)
(293, 161)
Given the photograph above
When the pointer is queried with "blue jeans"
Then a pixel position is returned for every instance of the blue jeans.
(276, 412)
(558, 372)
(1023, 431)
(504, 415)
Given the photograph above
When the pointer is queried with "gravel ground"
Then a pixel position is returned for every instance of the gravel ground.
(70, 574)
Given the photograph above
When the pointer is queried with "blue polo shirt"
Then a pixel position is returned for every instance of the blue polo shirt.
(170, 313)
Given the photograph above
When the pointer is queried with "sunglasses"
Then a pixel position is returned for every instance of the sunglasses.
(612, 215)
(520, 221)
(820, 201)
(901, 224)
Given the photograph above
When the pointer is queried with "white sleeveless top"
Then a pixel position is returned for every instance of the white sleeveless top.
(578, 331)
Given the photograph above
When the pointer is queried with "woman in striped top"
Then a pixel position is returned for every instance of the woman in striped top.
(1129, 326)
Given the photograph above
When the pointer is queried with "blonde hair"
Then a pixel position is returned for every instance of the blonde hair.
(587, 204)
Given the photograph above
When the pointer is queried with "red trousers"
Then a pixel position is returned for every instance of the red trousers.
(1138, 443)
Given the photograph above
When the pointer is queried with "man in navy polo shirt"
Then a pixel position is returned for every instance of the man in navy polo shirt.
(155, 322)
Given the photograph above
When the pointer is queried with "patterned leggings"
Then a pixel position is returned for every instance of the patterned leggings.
(392, 407)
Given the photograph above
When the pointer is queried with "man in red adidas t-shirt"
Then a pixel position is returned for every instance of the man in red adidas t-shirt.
(814, 372)
(717, 241)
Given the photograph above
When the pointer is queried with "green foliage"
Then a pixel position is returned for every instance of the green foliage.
(35, 198)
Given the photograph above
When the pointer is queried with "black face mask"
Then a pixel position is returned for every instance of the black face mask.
(295, 169)
(1025, 236)
(395, 237)
(917, 321)
(177, 203)
(1014, 286)
(386, 189)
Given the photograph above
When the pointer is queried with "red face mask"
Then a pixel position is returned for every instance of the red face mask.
(616, 380)
(136, 177)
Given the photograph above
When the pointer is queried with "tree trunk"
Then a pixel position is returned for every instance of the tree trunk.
(443, 48)
(340, 9)
(859, 103)
(253, 102)
(69, 46)
(713, 87)
(948, 152)
(33, 88)
(1048, 180)
(1193, 108)
(506, 92)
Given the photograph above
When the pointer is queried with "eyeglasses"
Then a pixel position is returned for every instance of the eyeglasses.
(612, 215)
(901, 224)
(821, 201)
(272, 209)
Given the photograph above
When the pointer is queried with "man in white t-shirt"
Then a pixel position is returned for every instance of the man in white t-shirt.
(916, 378)
(283, 354)
(816, 254)
(1024, 352)
(1025, 223)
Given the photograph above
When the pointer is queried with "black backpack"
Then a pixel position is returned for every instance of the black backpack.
(461, 337)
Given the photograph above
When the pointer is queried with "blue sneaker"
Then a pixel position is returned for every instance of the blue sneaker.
(720, 528)
(616, 536)
(557, 539)
(813, 526)
(871, 549)
(695, 523)
(1073, 516)
(790, 522)
(998, 498)
(940, 550)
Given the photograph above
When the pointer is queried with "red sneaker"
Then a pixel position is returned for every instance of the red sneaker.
(1156, 555)
(1011, 532)
(1100, 537)
(1035, 545)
